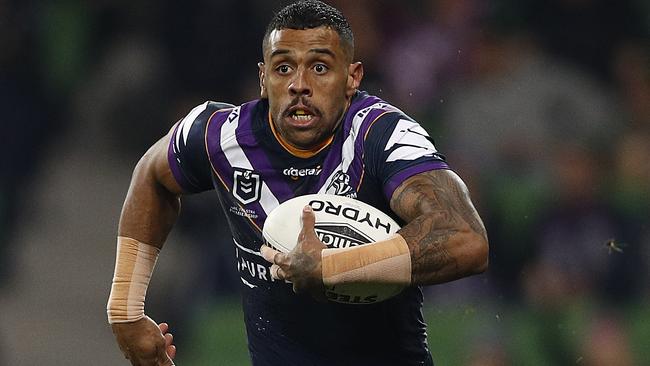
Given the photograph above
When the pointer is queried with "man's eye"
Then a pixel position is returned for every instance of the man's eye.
(283, 69)
(320, 68)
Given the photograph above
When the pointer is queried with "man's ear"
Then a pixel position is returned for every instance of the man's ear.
(355, 74)
(263, 93)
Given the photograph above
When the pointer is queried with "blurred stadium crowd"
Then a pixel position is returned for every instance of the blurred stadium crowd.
(542, 106)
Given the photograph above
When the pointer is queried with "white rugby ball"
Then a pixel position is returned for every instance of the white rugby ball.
(341, 222)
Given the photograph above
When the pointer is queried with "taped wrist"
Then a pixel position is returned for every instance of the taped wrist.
(134, 264)
(387, 261)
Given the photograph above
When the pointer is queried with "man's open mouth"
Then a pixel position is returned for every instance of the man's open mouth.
(301, 115)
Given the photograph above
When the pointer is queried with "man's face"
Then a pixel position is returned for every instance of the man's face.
(309, 81)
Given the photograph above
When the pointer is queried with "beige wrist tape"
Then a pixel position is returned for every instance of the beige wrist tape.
(387, 261)
(134, 265)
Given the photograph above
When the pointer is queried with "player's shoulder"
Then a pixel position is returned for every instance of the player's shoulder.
(375, 117)
(198, 117)
(203, 111)
(368, 109)
(363, 102)
(219, 106)
(243, 113)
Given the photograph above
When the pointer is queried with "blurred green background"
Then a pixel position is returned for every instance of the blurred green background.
(542, 106)
(457, 335)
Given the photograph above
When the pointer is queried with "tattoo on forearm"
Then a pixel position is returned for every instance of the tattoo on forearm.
(432, 252)
(446, 200)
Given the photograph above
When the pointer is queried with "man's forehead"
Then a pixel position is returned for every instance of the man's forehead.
(303, 39)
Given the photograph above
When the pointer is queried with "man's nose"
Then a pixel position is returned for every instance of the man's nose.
(300, 85)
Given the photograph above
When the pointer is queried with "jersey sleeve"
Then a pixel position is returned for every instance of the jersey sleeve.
(397, 148)
(187, 153)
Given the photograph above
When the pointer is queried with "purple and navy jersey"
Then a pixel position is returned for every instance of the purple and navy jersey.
(235, 151)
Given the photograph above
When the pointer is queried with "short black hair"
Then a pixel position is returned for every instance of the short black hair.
(309, 14)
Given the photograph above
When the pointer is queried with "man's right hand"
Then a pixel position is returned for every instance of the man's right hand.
(302, 265)
(145, 343)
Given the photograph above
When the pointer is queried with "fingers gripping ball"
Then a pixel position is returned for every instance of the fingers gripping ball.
(340, 223)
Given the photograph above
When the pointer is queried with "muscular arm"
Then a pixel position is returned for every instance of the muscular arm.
(152, 203)
(443, 240)
(151, 207)
(444, 233)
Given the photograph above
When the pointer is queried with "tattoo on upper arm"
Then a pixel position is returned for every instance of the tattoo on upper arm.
(444, 198)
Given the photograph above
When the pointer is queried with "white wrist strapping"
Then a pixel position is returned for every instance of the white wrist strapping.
(387, 261)
(134, 264)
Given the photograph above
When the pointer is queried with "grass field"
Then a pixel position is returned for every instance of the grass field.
(455, 334)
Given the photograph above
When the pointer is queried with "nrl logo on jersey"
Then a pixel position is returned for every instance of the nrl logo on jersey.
(340, 186)
(298, 173)
(246, 186)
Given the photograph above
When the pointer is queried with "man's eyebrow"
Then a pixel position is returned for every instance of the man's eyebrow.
(284, 51)
(326, 51)
(279, 51)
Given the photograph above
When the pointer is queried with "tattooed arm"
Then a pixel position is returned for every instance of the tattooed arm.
(445, 235)
(444, 240)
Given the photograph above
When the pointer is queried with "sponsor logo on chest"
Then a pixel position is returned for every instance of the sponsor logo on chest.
(295, 173)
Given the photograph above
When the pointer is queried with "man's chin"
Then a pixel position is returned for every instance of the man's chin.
(305, 140)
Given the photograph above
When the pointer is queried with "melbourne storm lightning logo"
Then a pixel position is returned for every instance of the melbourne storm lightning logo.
(340, 185)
